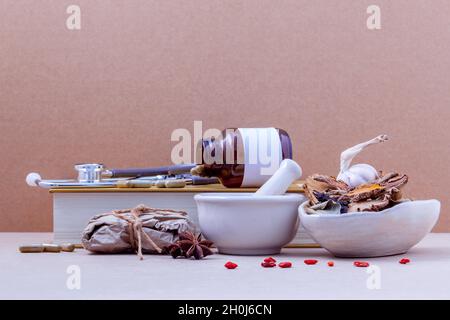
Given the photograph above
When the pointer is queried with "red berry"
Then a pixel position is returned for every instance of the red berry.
(361, 264)
(230, 265)
(268, 264)
(404, 261)
(330, 263)
(310, 261)
(285, 264)
(270, 259)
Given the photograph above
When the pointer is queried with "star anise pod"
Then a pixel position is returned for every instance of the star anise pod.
(191, 245)
(174, 250)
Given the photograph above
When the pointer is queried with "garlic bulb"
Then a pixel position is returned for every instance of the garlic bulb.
(359, 173)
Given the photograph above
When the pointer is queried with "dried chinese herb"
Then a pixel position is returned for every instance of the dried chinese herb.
(327, 193)
(357, 188)
(190, 245)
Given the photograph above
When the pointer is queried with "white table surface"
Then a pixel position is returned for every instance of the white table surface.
(44, 275)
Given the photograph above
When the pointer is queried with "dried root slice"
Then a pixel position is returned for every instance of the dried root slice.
(364, 192)
(395, 181)
(385, 177)
(330, 182)
(396, 194)
(370, 205)
(322, 184)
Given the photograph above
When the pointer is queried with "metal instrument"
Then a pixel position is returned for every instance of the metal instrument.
(94, 175)
(147, 172)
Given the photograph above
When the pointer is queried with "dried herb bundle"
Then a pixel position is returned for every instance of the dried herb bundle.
(325, 192)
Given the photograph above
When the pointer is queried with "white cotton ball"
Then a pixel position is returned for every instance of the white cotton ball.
(32, 179)
(358, 174)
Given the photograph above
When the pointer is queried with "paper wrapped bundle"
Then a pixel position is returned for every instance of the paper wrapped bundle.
(141, 229)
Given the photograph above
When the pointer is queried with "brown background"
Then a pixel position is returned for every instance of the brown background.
(115, 90)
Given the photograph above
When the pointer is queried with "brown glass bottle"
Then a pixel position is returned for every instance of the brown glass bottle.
(236, 157)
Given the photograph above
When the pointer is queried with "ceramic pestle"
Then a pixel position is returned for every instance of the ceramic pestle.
(288, 172)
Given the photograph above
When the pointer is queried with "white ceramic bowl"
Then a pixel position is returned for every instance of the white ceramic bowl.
(373, 234)
(245, 224)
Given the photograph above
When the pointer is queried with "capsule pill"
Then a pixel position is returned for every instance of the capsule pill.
(50, 247)
(178, 183)
(67, 247)
(31, 248)
(160, 184)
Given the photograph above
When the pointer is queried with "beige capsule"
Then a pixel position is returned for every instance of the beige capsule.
(31, 248)
(50, 247)
(176, 183)
(122, 184)
(160, 184)
(67, 247)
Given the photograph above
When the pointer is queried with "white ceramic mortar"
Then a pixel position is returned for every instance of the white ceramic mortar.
(245, 224)
(259, 223)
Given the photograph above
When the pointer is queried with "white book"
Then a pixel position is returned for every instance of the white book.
(73, 209)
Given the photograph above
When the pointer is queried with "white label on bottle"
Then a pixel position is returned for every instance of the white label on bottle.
(262, 154)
